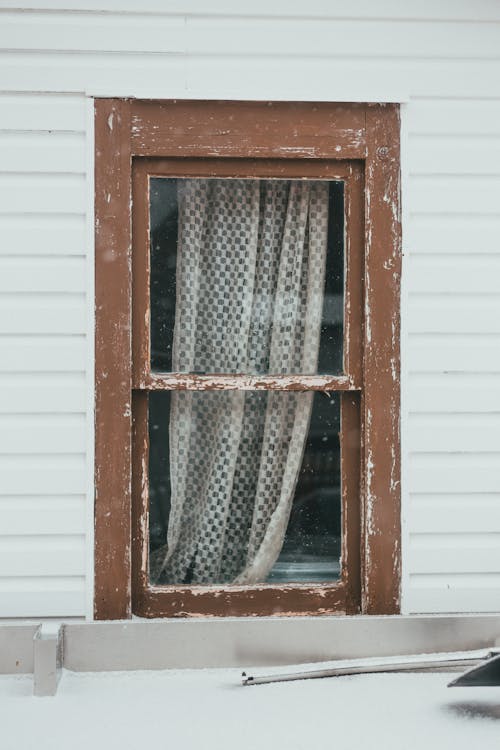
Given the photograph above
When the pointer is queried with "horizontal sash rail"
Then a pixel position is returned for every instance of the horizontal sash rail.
(237, 382)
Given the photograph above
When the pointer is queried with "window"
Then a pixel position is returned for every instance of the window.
(247, 279)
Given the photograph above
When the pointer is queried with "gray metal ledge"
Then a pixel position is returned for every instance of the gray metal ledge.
(239, 642)
(253, 642)
(16, 648)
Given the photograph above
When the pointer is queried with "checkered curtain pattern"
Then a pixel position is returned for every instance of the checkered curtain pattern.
(250, 278)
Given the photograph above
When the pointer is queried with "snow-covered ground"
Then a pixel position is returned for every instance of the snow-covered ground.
(209, 709)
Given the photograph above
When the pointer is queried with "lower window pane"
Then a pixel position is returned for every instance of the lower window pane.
(244, 487)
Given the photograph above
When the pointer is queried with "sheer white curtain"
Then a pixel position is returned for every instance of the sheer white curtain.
(250, 279)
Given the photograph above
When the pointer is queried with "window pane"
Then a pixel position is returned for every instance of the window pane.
(244, 487)
(247, 275)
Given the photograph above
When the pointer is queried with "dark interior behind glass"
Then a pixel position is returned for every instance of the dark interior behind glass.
(312, 544)
(163, 223)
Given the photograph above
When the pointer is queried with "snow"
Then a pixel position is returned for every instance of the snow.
(208, 709)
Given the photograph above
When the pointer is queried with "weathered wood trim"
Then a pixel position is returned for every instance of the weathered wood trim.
(140, 496)
(187, 382)
(370, 400)
(113, 360)
(219, 601)
(354, 272)
(382, 520)
(141, 323)
(245, 167)
(241, 601)
(253, 129)
(350, 447)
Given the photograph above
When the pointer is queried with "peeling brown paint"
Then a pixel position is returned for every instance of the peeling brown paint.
(186, 381)
(266, 129)
(356, 143)
(112, 371)
(202, 601)
(237, 601)
(381, 589)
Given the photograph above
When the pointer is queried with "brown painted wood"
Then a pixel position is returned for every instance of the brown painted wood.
(112, 368)
(256, 129)
(243, 167)
(141, 324)
(171, 601)
(140, 495)
(323, 136)
(354, 272)
(242, 601)
(237, 601)
(352, 501)
(382, 534)
(337, 597)
(220, 382)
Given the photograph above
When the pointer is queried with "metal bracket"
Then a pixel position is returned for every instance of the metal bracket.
(47, 659)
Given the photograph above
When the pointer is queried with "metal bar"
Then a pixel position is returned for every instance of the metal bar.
(403, 665)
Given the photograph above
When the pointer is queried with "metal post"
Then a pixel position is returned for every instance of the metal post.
(47, 659)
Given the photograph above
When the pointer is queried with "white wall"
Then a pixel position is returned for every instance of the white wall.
(443, 58)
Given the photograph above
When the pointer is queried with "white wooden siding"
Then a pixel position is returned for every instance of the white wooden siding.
(43, 363)
(451, 398)
(444, 59)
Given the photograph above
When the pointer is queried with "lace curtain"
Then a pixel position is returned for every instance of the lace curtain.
(250, 277)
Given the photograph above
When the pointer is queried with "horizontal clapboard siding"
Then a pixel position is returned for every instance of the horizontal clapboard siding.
(454, 553)
(442, 472)
(42, 596)
(42, 313)
(455, 592)
(454, 433)
(456, 313)
(428, 155)
(59, 275)
(33, 233)
(446, 10)
(454, 234)
(34, 113)
(41, 393)
(461, 276)
(42, 515)
(43, 193)
(43, 355)
(454, 194)
(80, 32)
(55, 473)
(461, 513)
(218, 76)
(42, 152)
(445, 59)
(42, 434)
(452, 392)
(452, 397)
(53, 554)
(441, 353)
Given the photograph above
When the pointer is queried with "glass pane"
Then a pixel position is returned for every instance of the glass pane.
(244, 487)
(247, 275)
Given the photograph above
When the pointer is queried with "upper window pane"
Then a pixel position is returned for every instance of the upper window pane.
(247, 275)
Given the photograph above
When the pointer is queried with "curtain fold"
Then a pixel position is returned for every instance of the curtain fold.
(251, 261)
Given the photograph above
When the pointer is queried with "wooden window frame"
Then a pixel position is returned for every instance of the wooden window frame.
(358, 143)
